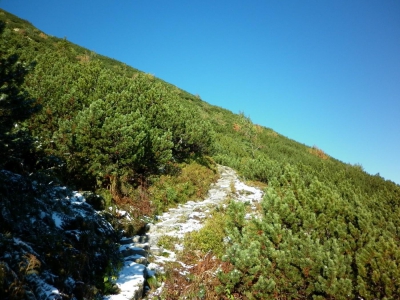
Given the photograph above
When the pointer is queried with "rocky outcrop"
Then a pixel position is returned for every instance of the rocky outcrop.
(51, 240)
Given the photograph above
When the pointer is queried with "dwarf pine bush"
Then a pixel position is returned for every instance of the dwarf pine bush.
(312, 241)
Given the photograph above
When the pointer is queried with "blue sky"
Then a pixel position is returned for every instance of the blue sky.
(324, 73)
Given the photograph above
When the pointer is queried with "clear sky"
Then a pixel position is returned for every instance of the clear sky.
(324, 73)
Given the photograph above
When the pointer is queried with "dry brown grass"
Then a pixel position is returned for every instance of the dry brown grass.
(43, 36)
(84, 58)
(257, 184)
(272, 133)
(199, 282)
(318, 152)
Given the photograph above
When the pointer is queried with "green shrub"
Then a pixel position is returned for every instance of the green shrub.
(209, 238)
(191, 183)
(313, 241)
(168, 242)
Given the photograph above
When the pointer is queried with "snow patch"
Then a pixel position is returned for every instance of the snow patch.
(130, 281)
(43, 289)
(57, 220)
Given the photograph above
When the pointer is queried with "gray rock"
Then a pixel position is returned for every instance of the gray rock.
(141, 238)
(126, 240)
(148, 227)
(134, 251)
(143, 246)
(137, 259)
(156, 250)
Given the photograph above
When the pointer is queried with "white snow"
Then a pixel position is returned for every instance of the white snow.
(130, 281)
(45, 290)
(77, 198)
(57, 220)
(18, 241)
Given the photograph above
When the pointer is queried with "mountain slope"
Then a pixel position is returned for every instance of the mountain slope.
(146, 145)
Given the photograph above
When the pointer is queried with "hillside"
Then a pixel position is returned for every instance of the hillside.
(71, 117)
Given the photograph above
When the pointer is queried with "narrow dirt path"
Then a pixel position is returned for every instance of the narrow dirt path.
(176, 222)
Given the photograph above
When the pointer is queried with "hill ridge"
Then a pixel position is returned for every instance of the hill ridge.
(134, 143)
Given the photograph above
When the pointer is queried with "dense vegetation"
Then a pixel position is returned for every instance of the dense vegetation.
(327, 229)
(315, 240)
(74, 119)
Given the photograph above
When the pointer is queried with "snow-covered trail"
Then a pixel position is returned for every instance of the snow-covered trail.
(190, 216)
(176, 222)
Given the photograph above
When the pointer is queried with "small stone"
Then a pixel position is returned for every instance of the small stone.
(141, 260)
(136, 239)
(126, 240)
(134, 251)
(140, 238)
(156, 250)
(148, 227)
(141, 245)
